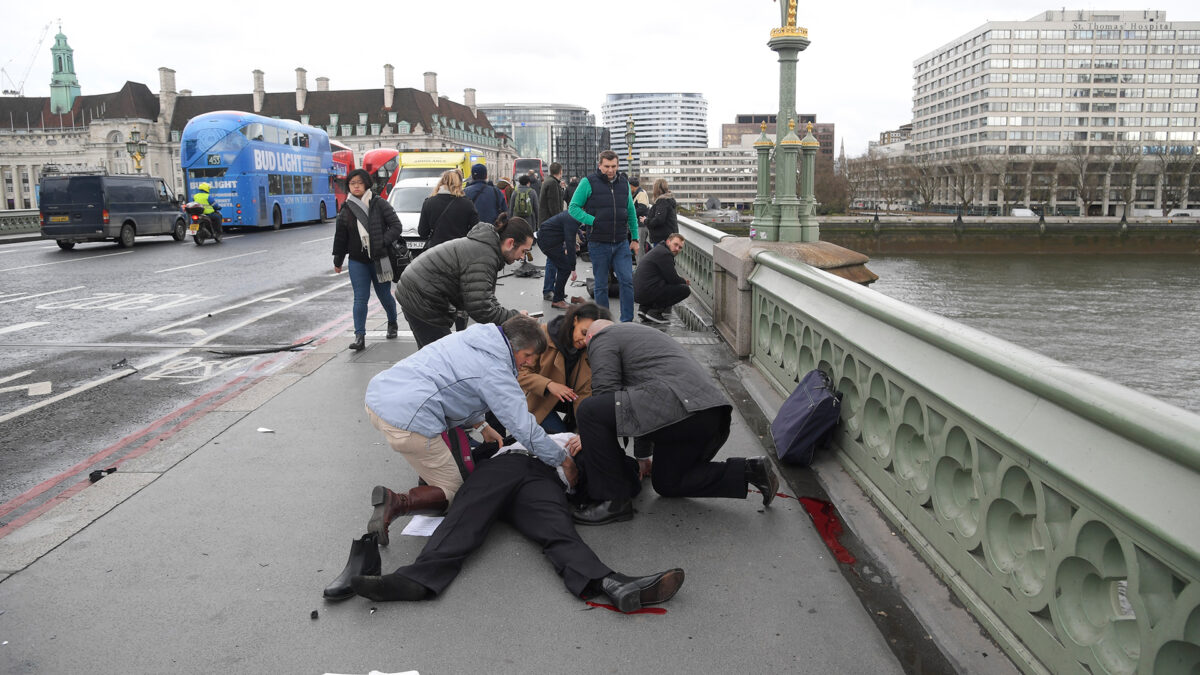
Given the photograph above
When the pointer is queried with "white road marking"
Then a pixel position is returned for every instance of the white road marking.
(60, 262)
(21, 326)
(206, 262)
(163, 357)
(313, 241)
(33, 388)
(161, 330)
(38, 295)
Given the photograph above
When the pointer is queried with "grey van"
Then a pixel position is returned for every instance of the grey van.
(80, 208)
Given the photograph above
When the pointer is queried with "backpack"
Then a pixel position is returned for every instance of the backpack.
(523, 206)
(807, 419)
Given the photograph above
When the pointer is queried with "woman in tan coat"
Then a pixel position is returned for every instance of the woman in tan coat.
(561, 377)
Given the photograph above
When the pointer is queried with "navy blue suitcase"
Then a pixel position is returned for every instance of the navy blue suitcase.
(806, 420)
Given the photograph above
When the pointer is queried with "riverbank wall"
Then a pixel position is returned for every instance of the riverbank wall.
(903, 235)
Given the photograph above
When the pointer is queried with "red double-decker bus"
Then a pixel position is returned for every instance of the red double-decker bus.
(384, 165)
(343, 164)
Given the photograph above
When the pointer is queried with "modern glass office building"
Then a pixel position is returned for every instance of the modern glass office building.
(660, 120)
(552, 132)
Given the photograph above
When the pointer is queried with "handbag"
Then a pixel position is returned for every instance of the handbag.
(399, 257)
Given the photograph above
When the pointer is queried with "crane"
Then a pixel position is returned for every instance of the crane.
(18, 88)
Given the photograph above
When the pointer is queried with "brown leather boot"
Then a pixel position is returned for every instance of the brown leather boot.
(424, 500)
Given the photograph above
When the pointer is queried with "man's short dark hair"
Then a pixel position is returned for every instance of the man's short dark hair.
(524, 332)
(675, 235)
(634, 182)
(608, 155)
(555, 168)
(524, 179)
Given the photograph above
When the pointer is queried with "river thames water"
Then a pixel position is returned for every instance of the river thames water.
(1134, 320)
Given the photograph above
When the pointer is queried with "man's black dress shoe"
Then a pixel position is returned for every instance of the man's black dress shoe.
(632, 593)
(762, 477)
(611, 511)
(389, 587)
(364, 559)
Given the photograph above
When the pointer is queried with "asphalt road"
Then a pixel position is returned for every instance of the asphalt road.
(100, 343)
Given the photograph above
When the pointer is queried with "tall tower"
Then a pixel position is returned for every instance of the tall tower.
(64, 86)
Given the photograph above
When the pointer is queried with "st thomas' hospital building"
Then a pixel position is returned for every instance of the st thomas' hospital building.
(72, 131)
(1071, 110)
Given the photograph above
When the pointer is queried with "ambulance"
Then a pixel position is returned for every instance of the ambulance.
(432, 163)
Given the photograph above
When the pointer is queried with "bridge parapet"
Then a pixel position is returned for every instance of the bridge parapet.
(1058, 506)
(19, 222)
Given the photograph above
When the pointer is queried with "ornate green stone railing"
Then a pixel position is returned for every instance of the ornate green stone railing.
(1062, 509)
(19, 222)
(695, 261)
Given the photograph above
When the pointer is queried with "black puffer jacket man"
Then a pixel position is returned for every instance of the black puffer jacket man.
(461, 274)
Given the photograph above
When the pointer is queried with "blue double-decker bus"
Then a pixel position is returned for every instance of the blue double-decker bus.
(260, 170)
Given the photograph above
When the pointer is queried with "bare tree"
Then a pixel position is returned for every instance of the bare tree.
(921, 179)
(1127, 163)
(1087, 175)
(1175, 173)
(857, 175)
(966, 180)
(1043, 183)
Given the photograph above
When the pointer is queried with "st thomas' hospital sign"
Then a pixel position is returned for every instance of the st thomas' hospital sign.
(1121, 26)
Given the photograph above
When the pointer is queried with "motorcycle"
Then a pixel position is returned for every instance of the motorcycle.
(202, 226)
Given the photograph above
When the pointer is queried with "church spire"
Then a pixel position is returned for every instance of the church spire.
(64, 86)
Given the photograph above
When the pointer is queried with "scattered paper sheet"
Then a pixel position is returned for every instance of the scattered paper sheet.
(376, 672)
(422, 526)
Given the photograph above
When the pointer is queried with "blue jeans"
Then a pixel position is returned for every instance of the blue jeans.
(619, 257)
(362, 278)
(554, 424)
(548, 277)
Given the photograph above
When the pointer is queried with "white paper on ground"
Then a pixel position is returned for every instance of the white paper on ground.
(422, 526)
(376, 672)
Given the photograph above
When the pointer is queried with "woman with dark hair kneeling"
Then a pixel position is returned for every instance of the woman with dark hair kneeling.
(561, 377)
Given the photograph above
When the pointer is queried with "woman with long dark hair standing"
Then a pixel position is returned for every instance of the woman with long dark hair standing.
(663, 220)
(366, 226)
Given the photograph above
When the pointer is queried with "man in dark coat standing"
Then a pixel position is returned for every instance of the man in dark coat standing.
(646, 385)
(489, 200)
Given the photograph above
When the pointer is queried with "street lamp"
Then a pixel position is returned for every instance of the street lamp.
(136, 148)
(629, 136)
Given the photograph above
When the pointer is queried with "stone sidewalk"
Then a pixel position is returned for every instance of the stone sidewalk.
(209, 552)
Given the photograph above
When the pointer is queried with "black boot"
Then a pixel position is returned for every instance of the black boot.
(762, 477)
(360, 342)
(393, 330)
(364, 559)
(631, 593)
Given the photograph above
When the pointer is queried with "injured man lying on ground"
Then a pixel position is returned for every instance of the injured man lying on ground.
(517, 487)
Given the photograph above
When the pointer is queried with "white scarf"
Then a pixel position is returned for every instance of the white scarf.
(363, 203)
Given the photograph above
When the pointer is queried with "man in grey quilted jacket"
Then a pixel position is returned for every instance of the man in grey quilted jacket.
(461, 274)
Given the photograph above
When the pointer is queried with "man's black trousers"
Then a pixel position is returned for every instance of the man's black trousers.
(683, 454)
(667, 298)
(525, 493)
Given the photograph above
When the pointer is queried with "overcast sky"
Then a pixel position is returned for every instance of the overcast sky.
(857, 73)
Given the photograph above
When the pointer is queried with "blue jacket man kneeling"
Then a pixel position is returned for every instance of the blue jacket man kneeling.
(449, 383)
